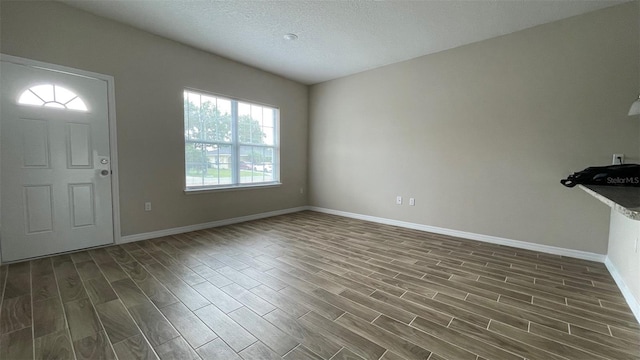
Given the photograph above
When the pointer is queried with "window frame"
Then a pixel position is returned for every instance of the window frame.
(235, 145)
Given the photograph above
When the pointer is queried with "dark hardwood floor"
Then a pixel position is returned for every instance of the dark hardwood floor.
(313, 286)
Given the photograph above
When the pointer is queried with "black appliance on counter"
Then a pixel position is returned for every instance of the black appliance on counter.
(612, 175)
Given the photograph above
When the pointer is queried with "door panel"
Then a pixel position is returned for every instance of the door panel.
(39, 210)
(82, 205)
(35, 144)
(79, 146)
(53, 194)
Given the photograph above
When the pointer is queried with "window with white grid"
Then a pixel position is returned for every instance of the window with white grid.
(229, 142)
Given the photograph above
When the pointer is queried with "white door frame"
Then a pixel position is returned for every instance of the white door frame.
(113, 143)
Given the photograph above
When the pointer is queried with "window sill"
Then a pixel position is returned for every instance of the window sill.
(232, 188)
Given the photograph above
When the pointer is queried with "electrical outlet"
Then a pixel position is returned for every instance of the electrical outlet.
(301, 190)
(412, 202)
(398, 200)
(147, 206)
(618, 159)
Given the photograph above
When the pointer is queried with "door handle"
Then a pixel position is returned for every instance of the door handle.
(104, 172)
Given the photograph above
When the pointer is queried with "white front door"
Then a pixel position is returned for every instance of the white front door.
(55, 172)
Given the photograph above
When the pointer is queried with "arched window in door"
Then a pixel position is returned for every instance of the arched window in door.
(54, 96)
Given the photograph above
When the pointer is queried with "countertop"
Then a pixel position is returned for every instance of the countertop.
(626, 200)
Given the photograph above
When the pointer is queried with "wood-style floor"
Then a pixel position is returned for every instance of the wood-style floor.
(313, 286)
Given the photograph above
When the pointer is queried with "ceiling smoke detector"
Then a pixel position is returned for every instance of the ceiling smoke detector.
(290, 37)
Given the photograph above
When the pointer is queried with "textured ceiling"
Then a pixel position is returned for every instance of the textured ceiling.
(336, 38)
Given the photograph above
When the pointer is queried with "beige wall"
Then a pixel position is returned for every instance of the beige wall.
(150, 74)
(481, 135)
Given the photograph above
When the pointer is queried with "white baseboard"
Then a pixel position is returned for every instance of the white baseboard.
(212, 224)
(438, 230)
(633, 303)
(471, 236)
